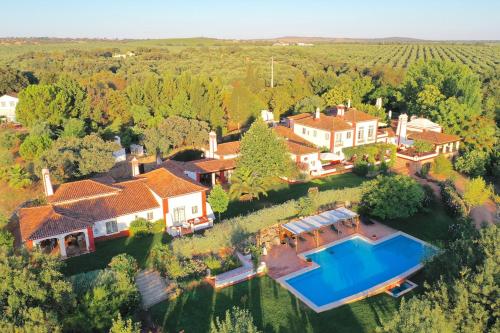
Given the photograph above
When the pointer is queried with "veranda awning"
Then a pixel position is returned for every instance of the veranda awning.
(316, 222)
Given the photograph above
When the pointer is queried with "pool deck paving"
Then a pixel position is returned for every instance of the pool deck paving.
(283, 259)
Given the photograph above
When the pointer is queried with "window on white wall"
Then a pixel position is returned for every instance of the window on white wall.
(194, 210)
(315, 133)
(360, 134)
(338, 137)
(111, 227)
(370, 131)
(327, 136)
(180, 214)
(348, 135)
(150, 216)
(303, 130)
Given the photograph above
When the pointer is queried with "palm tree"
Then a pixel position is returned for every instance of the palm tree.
(245, 184)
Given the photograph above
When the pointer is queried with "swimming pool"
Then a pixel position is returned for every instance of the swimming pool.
(354, 268)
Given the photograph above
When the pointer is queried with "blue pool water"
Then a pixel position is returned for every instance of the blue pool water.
(356, 265)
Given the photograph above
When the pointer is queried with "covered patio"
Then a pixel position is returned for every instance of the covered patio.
(66, 245)
(337, 220)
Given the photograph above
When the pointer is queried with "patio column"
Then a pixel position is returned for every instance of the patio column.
(90, 239)
(213, 178)
(62, 245)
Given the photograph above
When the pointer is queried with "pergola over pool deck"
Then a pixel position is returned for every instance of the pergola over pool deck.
(316, 222)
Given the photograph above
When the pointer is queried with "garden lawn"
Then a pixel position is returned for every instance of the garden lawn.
(283, 192)
(137, 247)
(276, 310)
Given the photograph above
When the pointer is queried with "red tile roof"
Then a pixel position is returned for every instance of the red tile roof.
(134, 196)
(228, 148)
(169, 183)
(82, 189)
(353, 115)
(433, 137)
(300, 149)
(45, 221)
(326, 123)
(295, 144)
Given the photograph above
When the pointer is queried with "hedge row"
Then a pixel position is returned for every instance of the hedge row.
(232, 231)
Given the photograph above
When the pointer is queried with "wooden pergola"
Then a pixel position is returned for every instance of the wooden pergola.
(316, 222)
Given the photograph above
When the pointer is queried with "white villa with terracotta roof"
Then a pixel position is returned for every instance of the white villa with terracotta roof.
(8, 103)
(79, 213)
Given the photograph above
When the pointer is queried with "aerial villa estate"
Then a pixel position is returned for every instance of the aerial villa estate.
(325, 260)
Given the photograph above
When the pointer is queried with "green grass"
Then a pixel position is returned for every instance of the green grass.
(138, 247)
(274, 309)
(282, 192)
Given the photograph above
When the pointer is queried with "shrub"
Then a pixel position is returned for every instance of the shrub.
(236, 321)
(389, 197)
(423, 147)
(476, 192)
(305, 206)
(213, 263)
(141, 227)
(230, 232)
(84, 282)
(361, 168)
(451, 199)
(124, 263)
(6, 239)
(472, 163)
(442, 166)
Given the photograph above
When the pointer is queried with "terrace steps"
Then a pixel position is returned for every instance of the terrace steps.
(152, 286)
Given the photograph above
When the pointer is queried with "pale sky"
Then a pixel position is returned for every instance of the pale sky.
(447, 19)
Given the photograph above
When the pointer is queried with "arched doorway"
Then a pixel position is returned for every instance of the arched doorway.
(75, 244)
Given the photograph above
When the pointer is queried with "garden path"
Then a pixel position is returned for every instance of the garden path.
(152, 286)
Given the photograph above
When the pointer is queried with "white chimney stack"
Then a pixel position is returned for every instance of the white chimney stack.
(340, 110)
(349, 103)
(47, 183)
(212, 144)
(135, 167)
(378, 103)
(158, 159)
(401, 130)
(389, 115)
(317, 114)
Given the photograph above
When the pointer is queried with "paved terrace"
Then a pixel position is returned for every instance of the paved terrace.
(282, 259)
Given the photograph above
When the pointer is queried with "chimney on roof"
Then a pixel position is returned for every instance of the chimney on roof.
(340, 110)
(378, 103)
(401, 130)
(159, 161)
(212, 144)
(389, 114)
(349, 103)
(47, 184)
(135, 167)
(317, 114)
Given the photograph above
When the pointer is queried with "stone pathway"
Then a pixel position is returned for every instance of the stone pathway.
(152, 287)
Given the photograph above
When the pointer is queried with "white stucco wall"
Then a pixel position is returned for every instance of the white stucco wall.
(341, 141)
(124, 221)
(317, 137)
(365, 126)
(8, 107)
(311, 160)
(187, 201)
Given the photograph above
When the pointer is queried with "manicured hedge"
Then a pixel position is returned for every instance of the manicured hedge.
(232, 231)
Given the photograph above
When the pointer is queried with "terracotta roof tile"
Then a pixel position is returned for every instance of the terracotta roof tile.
(45, 221)
(228, 148)
(209, 165)
(300, 149)
(288, 133)
(168, 183)
(81, 189)
(433, 137)
(134, 196)
(325, 123)
(353, 115)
